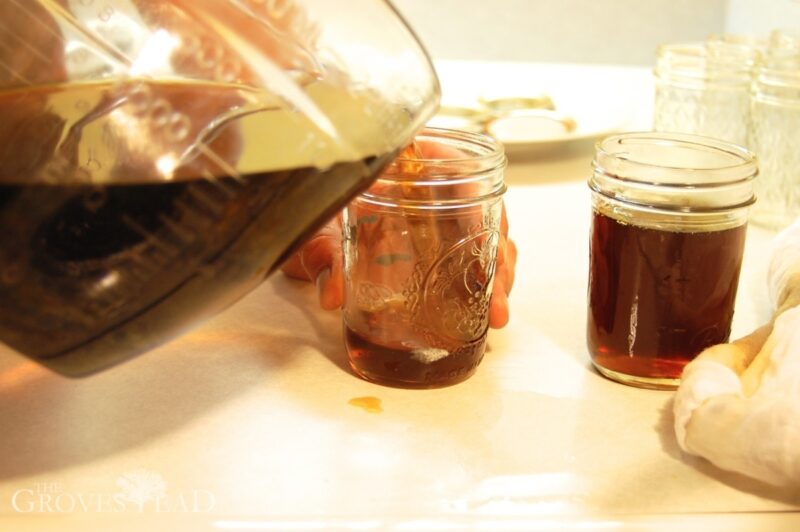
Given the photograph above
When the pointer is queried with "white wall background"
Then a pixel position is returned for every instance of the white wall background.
(583, 31)
(759, 17)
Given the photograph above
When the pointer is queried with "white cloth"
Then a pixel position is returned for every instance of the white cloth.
(785, 260)
(759, 435)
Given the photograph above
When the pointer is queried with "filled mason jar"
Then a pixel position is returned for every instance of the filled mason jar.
(669, 215)
(775, 116)
(704, 88)
(420, 250)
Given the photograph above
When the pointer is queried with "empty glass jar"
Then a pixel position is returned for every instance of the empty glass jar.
(775, 121)
(704, 89)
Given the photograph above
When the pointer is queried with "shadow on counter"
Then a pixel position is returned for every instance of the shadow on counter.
(51, 422)
(738, 481)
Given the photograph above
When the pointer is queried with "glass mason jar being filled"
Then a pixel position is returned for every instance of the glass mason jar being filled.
(669, 214)
(420, 251)
(704, 89)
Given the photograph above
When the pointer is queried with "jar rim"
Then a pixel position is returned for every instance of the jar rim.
(674, 172)
(492, 149)
(447, 181)
(743, 164)
(717, 61)
(775, 75)
(725, 51)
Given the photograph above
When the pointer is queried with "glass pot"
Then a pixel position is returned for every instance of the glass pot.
(158, 159)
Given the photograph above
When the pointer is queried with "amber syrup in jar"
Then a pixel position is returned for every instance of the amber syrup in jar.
(658, 298)
(409, 367)
(669, 217)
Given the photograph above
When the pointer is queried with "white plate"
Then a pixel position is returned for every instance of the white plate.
(535, 130)
(588, 126)
(600, 100)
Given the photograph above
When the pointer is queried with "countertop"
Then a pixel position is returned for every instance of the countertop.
(245, 423)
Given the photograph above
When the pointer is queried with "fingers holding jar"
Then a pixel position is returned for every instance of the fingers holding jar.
(503, 278)
(319, 260)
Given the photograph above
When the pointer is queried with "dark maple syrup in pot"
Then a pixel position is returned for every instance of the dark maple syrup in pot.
(101, 258)
(657, 298)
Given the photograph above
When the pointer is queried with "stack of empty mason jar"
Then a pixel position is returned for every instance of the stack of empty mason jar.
(745, 91)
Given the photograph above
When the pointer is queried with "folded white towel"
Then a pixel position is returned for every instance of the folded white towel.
(738, 405)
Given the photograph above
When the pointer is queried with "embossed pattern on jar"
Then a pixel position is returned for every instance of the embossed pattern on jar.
(720, 114)
(420, 252)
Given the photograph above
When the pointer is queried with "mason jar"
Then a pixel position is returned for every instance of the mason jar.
(704, 89)
(775, 116)
(669, 214)
(420, 251)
